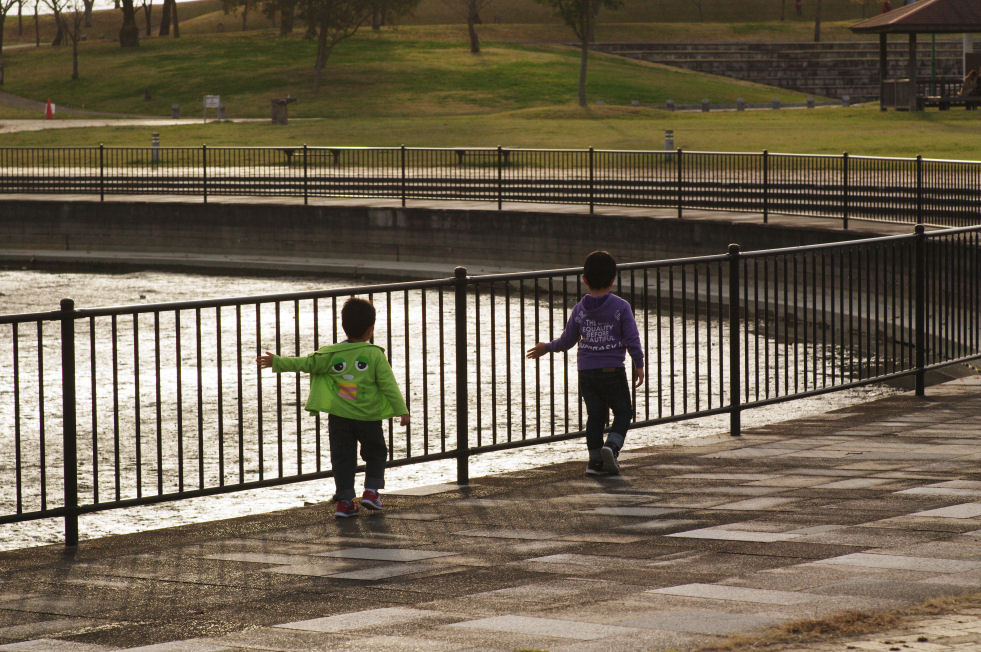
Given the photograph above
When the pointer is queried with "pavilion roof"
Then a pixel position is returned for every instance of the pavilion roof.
(926, 17)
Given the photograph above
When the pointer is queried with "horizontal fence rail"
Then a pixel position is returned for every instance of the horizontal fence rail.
(121, 406)
(941, 193)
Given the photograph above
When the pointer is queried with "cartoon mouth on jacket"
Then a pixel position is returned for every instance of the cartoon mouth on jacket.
(347, 390)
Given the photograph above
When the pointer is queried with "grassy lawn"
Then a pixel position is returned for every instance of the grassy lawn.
(857, 130)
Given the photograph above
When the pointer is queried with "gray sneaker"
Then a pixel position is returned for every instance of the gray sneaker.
(610, 464)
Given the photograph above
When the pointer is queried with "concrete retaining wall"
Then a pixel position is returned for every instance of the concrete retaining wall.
(409, 236)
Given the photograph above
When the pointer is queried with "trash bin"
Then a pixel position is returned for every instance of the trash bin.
(279, 114)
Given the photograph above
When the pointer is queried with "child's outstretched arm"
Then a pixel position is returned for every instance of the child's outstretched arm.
(265, 361)
(537, 351)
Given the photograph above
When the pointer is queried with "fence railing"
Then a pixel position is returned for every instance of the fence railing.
(112, 407)
(941, 193)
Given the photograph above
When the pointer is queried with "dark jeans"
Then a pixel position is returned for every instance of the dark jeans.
(345, 435)
(604, 390)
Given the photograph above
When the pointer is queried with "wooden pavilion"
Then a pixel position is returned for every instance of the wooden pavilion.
(924, 17)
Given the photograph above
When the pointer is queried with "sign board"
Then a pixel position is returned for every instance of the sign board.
(212, 101)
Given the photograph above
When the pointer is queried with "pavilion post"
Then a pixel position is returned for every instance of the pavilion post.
(914, 102)
(883, 68)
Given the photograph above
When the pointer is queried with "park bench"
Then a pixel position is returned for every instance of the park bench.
(970, 102)
(310, 154)
(462, 155)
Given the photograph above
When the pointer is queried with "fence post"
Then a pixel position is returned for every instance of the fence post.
(500, 177)
(204, 172)
(844, 191)
(403, 175)
(919, 270)
(734, 349)
(69, 433)
(919, 189)
(766, 186)
(102, 172)
(680, 186)
(591, 181)
(462, 424)
(305, 174)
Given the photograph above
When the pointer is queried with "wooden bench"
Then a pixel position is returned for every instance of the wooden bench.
(970, 102)
(491, 154)
(311, 154)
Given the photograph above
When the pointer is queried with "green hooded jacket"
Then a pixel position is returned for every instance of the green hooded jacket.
(348, 379)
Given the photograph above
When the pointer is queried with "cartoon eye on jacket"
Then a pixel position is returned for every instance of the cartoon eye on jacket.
(347, 384)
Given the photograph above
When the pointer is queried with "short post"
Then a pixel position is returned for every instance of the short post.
(810, 102)
(844, 191)
(155, 147)
(669, 105)
(69, 432)
(175, 111)
(403, 175)
(204, 172)
(668, 140)
(462, 422)
(776, 103)
(680, 186)
(735, 428)
(306, 172)
(919, 270)
(591, 181)
(102, 172)
(706, 105)
(740, 104)
(766, 186)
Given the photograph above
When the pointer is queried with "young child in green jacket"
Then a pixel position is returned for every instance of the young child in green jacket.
(353, 383)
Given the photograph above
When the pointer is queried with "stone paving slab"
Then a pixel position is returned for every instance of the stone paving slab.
(870, 508)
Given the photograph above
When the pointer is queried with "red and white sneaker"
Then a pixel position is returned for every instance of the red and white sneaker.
(372, 500)
(345, 509)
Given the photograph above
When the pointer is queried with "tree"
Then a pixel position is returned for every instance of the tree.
(817, 22)
(5, 7)
(472, 9)
(69, 15)
(230, 5)
(286, 10)
(129, 33)
(331, 22)
(168, 17)
(580, 16)
(385, 11)
(147, 10)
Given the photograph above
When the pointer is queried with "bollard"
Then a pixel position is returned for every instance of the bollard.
(705, 105)
(669, 140)
(175, 111)
(810, 102)
(146, 93)
(845, 100)
(740, 104)
(670, 105)
(221, 111)
(776, 103)
(155, 144)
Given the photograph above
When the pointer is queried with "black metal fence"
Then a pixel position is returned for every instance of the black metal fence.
(908, 190)
(113, 407)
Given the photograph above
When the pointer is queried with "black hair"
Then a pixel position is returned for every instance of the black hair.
(600, 269)
(357, 316)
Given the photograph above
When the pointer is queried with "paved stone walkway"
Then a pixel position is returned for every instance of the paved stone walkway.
(871, 508)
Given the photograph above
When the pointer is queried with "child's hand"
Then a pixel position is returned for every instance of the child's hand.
(537, 351)
(404, 419)
(638, 376)
(265, 361)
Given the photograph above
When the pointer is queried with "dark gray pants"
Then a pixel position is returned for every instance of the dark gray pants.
(604, 391)
(345, 435)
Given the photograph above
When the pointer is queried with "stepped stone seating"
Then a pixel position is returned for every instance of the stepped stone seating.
(836, 69)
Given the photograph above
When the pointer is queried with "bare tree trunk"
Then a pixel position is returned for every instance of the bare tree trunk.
(245, 15)
(165, 18)
(783, 10)
(76, 33)
(473, 19)
(583, 59)
(129, 33)
(321, 56)
(88, 4)
(173, 17)
(377, 19)
(3, 19)
(37, 32)
(20, 18)
(817, 22)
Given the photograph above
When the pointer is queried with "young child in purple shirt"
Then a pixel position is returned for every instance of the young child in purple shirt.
(603, 325)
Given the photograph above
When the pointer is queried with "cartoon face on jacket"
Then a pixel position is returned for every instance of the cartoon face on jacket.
(348, 373)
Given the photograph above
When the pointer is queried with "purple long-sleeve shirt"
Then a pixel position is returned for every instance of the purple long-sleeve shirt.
(605, 329)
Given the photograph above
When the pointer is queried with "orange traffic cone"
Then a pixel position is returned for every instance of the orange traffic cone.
(48, 113)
